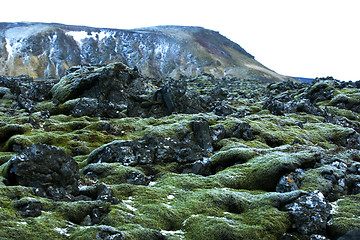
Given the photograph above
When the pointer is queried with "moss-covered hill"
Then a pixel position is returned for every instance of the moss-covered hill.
(106, 153)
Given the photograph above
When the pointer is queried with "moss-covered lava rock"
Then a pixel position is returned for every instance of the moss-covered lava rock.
(128, 157)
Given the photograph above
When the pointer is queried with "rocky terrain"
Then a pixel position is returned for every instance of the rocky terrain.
(108, 153)
(48, 50)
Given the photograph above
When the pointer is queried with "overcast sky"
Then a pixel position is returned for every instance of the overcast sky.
(307, 38)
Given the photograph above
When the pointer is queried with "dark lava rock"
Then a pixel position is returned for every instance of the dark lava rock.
(347, 102)
(173, 97)
(92, 107)
(108, 233)
(224, 109)
(351, 235)
(5, 92)
(280, 87)
(219, 94)
(243, 130)
(48, 169)
(178, 99)
(85, 213)
(318, 237)
(349, 140)
(274, 106)
(105, 194)
(27, 91)
(119, 173)
(353, 178)
(95, 216)
(309, 213)
(114, 83)
(28, 207)
(321, 90)
(277, 107)
(202, 136)
(290, 182)
(105, 92)
(217, 133)
(148, 151)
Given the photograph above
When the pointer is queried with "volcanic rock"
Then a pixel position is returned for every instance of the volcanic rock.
(48, 169)
(28, 207)
(309, 213)
(104, 83)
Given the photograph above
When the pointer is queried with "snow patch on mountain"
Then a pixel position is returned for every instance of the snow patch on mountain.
(80, 36)
(12, 47)
(8, 48)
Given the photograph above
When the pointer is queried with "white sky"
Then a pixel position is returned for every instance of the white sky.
(307, 38)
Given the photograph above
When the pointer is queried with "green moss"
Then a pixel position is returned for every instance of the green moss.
(278, 130)
(327, 85)
(228, 143)
(233, 155)
(84, 140)
(46, 106)
(13, 129)
(165, 217)
(122, 214)
(113, 173)
(47, 226)
(263, 172)
(12, 225)
(273, 222)
(61, 118)
(81, 160)
(77, 211)
(67, 126)
(351, 116)
(63, 89)
(346, 215)
(186, 181)
(5, 156)
(16, 142)
(168, 127)
(263, 223)
(167, 206)
(9, 213)
(15, 192)
(313, 180)
(137, 232)
(346, 91)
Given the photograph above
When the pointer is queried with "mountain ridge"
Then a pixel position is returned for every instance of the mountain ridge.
(49, 49)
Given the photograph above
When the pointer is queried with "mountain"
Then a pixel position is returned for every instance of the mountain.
(49, 49)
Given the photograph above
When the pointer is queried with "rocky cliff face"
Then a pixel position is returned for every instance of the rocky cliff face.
(47, 50)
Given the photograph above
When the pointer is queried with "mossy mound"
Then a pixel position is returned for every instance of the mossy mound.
(345, 215)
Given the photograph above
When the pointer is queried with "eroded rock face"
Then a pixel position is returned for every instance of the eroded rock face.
(46, 168)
